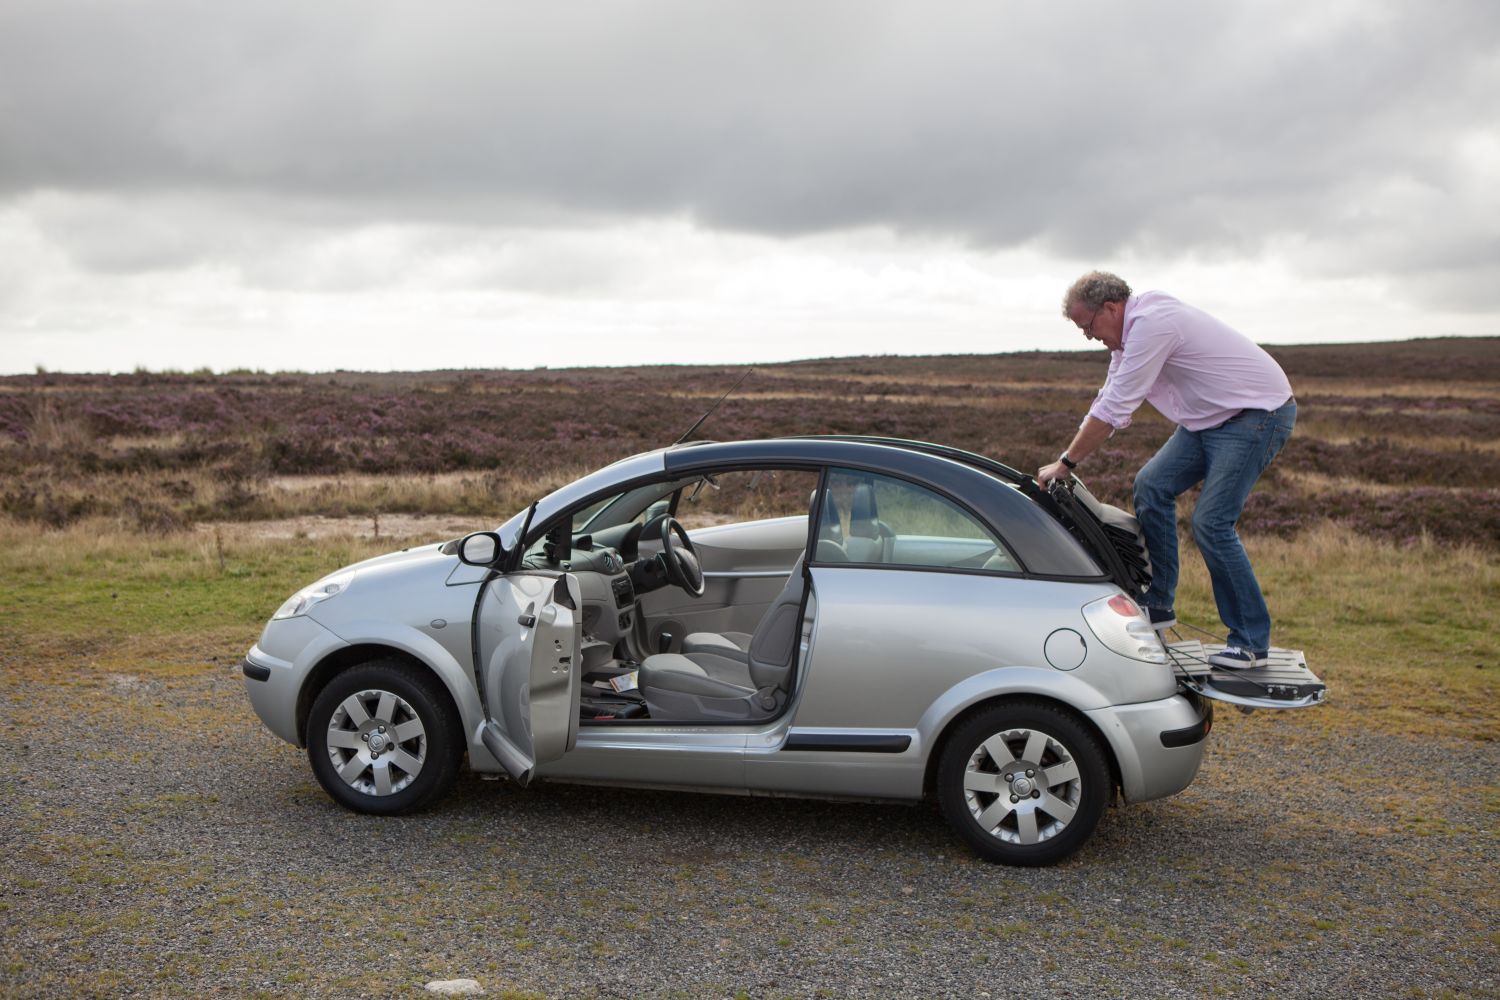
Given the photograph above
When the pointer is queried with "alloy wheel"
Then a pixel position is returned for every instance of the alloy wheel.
(376, 742)
(1022, 786)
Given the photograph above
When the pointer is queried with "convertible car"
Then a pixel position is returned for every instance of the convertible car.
(839, 617)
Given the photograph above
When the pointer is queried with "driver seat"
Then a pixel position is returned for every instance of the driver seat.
(726, 655)
(676, 687)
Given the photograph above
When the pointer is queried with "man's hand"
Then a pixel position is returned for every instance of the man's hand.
(1091, 434)
(1048, 473)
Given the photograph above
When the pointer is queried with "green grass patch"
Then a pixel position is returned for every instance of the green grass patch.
(1403, 635)
(90, 589)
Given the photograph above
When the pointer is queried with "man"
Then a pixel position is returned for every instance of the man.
(1234, 409)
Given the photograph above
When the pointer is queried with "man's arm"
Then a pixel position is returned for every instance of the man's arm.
(1091, 434)
(1132, 372)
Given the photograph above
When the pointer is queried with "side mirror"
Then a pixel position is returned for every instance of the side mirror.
(482, 548)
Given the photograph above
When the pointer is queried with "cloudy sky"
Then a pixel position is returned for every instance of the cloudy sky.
(368, 185)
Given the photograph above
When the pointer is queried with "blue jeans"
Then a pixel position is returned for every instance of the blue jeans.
(1227, 460)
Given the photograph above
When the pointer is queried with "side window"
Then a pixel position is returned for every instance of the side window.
(746, 495)
(890, 522)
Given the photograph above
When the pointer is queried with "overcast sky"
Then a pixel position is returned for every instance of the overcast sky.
(373, 185)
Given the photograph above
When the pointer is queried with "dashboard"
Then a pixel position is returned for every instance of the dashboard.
(609, 594)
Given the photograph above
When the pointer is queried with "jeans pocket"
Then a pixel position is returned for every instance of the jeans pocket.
(1275, 440)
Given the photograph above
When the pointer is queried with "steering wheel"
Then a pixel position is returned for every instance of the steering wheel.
(679, 559)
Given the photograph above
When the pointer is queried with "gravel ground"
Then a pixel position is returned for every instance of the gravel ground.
(160, 842)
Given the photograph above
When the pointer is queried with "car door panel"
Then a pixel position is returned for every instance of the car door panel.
(529, 637)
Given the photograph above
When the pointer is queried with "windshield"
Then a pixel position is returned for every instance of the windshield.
(606, 512)
(584, 490)
(623, 508)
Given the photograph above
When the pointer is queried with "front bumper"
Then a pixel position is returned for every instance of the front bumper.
(276, 667)
(272, 687)
(1159, 745)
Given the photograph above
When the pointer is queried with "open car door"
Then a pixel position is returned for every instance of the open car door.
(528, 632)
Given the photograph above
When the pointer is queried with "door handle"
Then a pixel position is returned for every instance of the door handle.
(527, 621)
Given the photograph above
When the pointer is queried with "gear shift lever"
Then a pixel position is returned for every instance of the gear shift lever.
(663, 642)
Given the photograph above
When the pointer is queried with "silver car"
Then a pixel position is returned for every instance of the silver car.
(837, 617)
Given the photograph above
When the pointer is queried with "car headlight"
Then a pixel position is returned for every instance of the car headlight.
(304, 599)
(1124, 628)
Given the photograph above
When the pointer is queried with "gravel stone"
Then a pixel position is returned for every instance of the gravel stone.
(160, 842)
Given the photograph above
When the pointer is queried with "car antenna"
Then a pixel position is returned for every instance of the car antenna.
(711, 409)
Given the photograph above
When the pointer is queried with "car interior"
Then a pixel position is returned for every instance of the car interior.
(710, 629)
(679, 630)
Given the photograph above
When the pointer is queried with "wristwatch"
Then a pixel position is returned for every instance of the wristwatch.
(1065, 460)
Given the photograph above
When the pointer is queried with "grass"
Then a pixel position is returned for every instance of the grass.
(1403, 635)
(162, 451)
(95, 585)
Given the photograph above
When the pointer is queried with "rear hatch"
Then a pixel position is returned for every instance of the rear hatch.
(1111, 536)
(1114, 539)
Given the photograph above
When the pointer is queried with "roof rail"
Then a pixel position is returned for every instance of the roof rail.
(1015, 476)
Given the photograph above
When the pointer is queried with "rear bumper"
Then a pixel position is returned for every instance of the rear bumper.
(1197, 732)
(1158, 745)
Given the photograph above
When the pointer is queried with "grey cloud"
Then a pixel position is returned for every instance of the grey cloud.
(113, 235)
(294, 245)
(1157, 127)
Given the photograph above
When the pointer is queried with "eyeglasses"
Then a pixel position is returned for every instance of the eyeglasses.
(1088, 328)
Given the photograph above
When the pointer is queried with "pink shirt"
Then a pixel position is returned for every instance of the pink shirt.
(1198, 371)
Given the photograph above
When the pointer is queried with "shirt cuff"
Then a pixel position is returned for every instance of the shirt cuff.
(1118, 421)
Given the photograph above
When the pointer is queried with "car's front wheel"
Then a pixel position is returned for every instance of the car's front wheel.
(1024, 783)
(382, 737)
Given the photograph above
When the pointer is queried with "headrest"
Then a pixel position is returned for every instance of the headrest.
(830, 525)
(862, 514)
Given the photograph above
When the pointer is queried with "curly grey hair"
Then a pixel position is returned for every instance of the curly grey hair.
(1094, 289)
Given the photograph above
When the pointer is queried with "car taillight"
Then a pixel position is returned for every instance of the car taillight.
(1124, 628)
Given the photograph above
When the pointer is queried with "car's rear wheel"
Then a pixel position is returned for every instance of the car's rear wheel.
(382, 737)
(1023, 783)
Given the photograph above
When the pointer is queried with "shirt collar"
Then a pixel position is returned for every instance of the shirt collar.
(1125, 319)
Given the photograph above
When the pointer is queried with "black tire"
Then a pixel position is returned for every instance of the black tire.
(418, 707)
(1064, 803)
